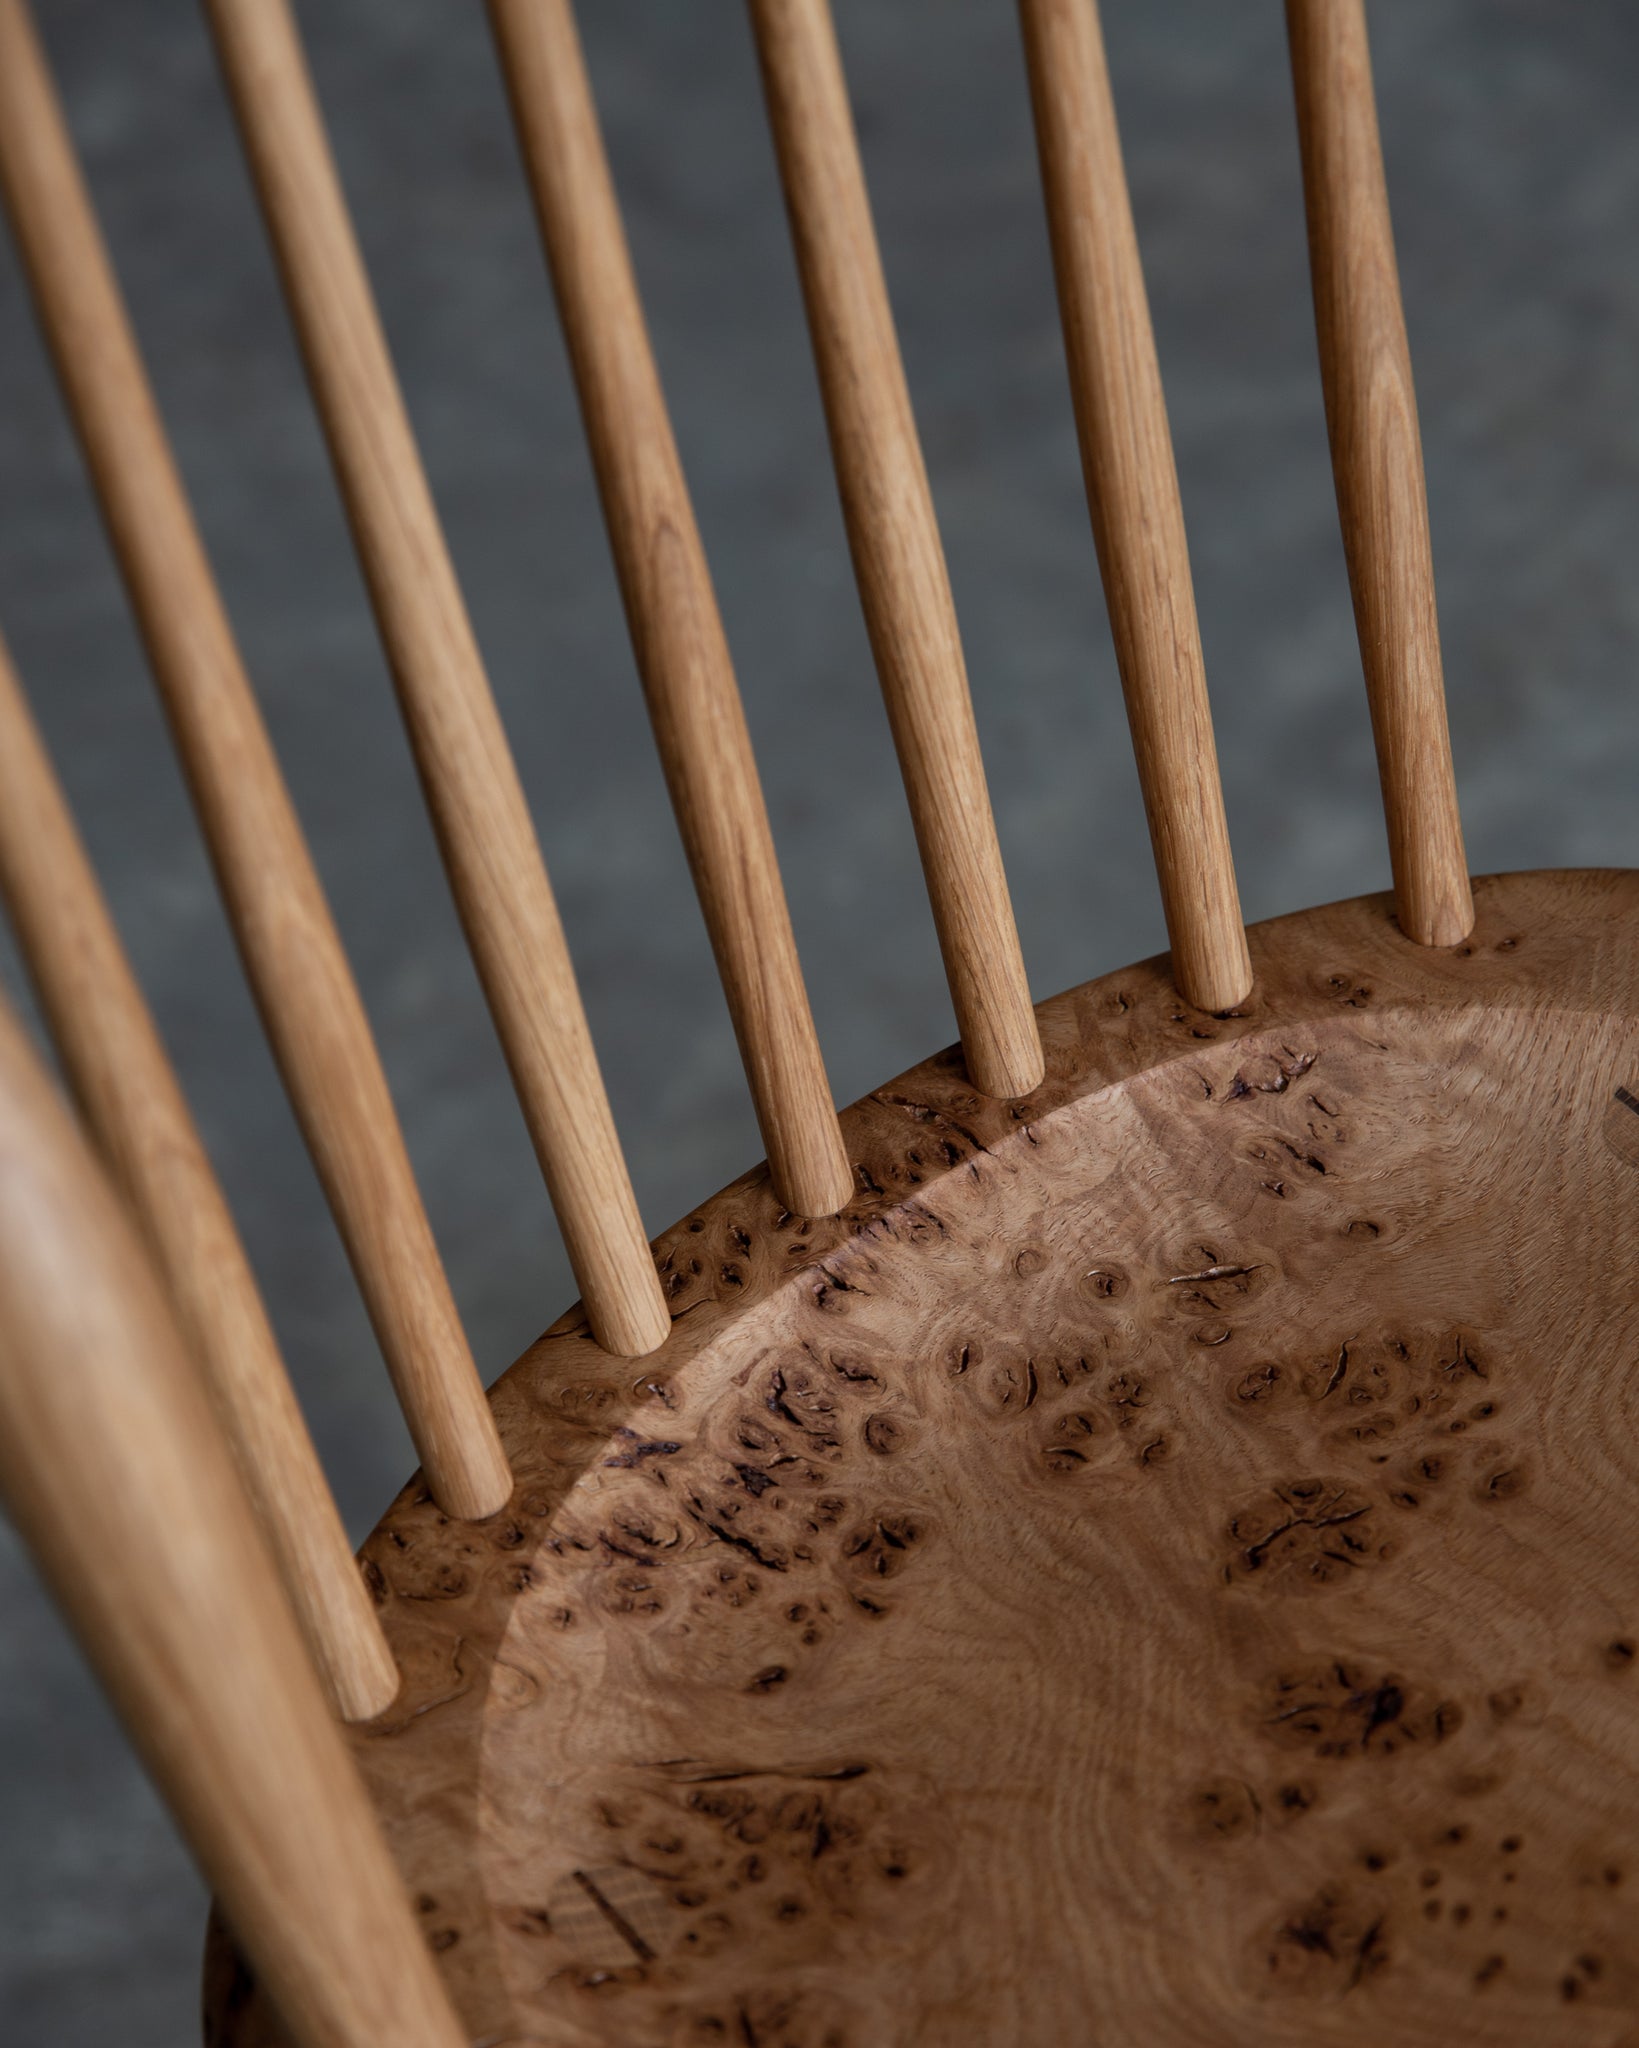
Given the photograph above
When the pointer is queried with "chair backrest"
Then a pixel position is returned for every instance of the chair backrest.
(71, 1357)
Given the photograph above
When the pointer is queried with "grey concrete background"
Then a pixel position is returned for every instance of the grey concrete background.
(1514, 168)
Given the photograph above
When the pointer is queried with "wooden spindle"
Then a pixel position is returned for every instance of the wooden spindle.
(477, 802)
(128, 1091)
(671, 607)
(119, 1480)
(1377, 463)
(894, 538)
(280, 919)
(1132, 493)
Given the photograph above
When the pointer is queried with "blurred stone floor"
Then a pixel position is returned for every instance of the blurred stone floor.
(1514, 169)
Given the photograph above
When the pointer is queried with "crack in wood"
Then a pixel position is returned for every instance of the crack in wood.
(615, 1917)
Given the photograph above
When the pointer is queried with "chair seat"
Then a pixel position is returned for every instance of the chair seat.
(1161, 1568)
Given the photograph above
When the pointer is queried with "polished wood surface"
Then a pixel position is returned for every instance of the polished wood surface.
(1132, 493)
(118, 1477)
(1127, 1535)
(477, 802)
(283, 926)
(129, 1094)
(1159, 1569)
(898, 559)
(1377, 461)
(671, 607)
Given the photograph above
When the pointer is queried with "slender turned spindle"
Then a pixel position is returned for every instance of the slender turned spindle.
(119, 1479)
(1132, 493)
(128, 1091)
(682, 654)
(281, 921)
(894, 538)
(477, 802)
(1377, 462)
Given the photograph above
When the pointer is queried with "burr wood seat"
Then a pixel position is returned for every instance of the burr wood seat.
(1164, 1553)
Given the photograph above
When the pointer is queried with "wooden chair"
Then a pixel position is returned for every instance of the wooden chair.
(1123, 1535)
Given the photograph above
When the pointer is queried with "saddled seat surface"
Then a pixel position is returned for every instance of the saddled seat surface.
(1160, 1568)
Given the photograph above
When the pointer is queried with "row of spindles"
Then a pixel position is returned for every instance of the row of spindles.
(242, 1745)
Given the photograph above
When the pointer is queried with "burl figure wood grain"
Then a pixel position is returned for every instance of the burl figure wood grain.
(1159, 1568)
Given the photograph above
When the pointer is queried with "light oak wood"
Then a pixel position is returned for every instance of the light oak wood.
(1377, 461)
(671, 607)
(281, 921)
(894, 538)
(125, 1085)
(1132, 493)
(467, 770)
(1157, 1566)
(1158, 1570)
(118, 1478)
